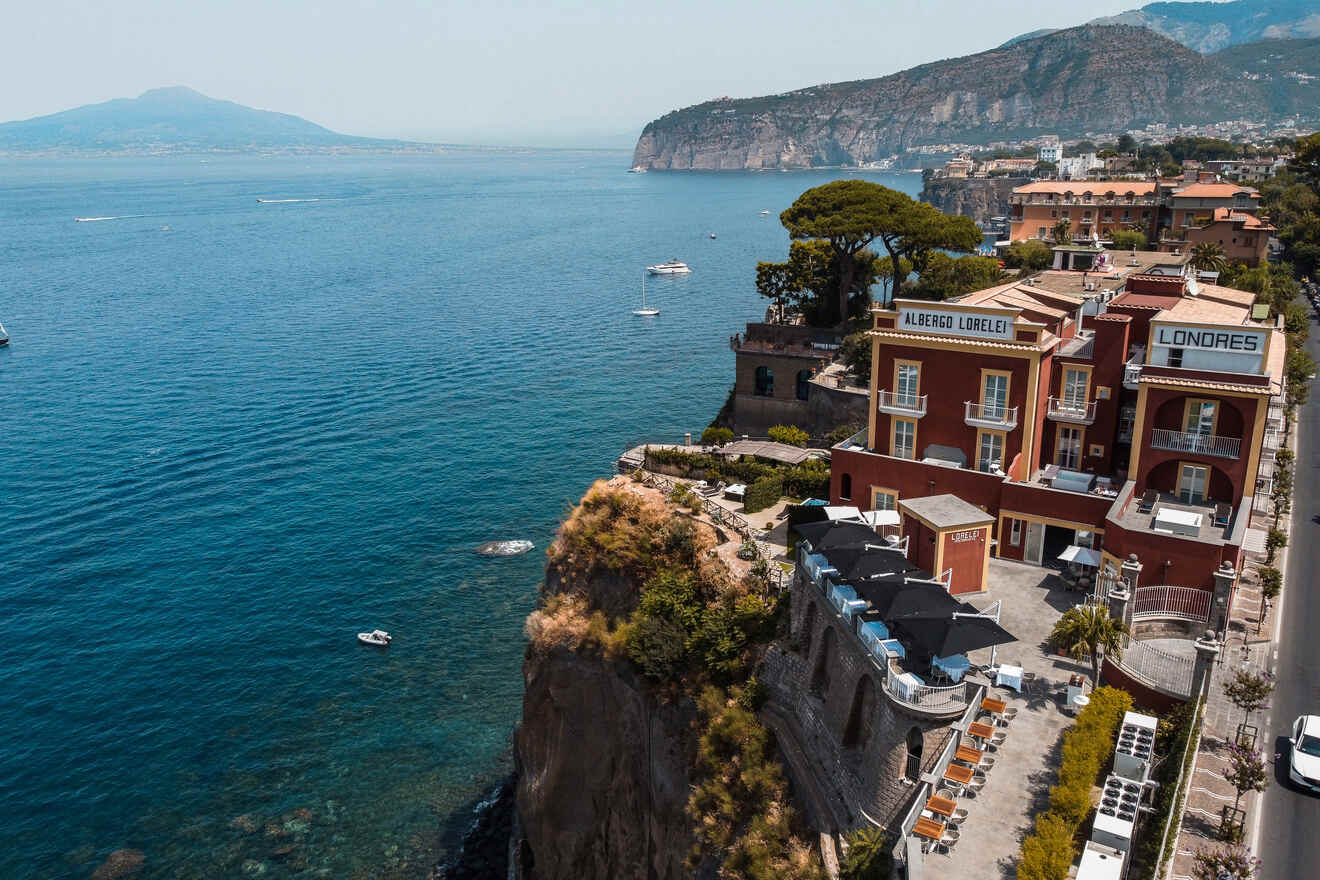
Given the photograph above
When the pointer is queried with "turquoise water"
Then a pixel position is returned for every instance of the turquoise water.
(235, 434)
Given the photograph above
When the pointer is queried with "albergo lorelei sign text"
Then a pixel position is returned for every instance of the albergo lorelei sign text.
(955, 323)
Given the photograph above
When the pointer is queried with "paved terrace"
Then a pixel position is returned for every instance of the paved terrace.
(1018, 784)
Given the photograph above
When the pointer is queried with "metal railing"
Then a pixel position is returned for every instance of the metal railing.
(1199, 444)
(1168, 672)
(901, 404)
(1064, 410)
(932, 699)
(1131, 375)
(990, 415)
(1183, 603)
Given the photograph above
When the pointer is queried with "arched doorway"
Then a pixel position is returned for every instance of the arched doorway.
(857, 733)
(915, 743)
(820, 673)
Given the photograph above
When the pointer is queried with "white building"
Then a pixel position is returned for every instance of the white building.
(1051, 151)
(1078, 167)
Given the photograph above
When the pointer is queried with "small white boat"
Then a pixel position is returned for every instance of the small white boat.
(712, 235)
(671, 267)
(4, 337)
(377, 637)
(644, 311)
(764, 213)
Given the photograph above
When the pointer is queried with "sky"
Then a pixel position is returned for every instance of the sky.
(570, 73)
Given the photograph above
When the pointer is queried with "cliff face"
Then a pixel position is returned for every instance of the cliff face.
(977, 197)
(1085, 79)
(602, 764)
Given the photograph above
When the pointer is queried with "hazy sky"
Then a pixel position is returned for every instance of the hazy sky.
(492, 71)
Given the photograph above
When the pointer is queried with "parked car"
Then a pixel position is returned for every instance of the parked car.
(1304, 761)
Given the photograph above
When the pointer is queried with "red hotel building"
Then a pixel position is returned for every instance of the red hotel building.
(1136, 414)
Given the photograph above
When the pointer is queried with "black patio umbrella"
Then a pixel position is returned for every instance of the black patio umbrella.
(832, 534)
(924, 600)
(946, 635)
(859, 564)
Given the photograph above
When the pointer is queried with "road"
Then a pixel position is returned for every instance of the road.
(1289, 842)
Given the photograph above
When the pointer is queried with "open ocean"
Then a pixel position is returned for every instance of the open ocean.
(235, 434)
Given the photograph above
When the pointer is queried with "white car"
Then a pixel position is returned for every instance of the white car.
(1304, 762)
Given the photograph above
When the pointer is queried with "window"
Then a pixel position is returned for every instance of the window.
(845, 486)
(1199, 419)
(1127, 417)
(1095, 450)
(1175, 357)
(994, 394)
(1068, 448)
(1015, 532)
(905, 439)
(1042, 232)
(1192, 479)
(989, 452)
(765, 382)
(884, 499)
(907, 383)
(1076, 384)
(803, 384)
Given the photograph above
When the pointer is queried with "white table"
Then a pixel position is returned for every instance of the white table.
(1179, 522)
(737, 490)
(1009, 676)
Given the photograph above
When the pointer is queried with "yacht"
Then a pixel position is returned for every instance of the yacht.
(672, 267)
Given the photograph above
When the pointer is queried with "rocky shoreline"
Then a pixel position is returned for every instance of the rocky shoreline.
(484, 851)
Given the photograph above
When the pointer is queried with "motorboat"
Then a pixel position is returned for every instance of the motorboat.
(4, 337)
(764, 213)
(671, 267)
(644, 311)
(713, 235)
(377, 637)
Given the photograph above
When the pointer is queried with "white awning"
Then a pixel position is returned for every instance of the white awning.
(842, 513)
(878, 518)
(1081, 556)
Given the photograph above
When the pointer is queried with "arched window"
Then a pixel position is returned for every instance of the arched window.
(857, 733)
(765, 382)
(915, 742)
(820, 674)
(808, 627)
(845, 485)
(803, 383)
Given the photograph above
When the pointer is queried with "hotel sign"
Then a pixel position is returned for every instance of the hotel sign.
(979, 325)
(1211, 339)
(965, 536)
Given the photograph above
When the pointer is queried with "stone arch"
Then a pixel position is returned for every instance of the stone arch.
(820, 673)
(915, 743)
(1229, 422)
(857, 732)
(808, 629)
(1164, 477)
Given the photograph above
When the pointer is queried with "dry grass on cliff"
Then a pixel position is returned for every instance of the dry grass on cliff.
(566, 620)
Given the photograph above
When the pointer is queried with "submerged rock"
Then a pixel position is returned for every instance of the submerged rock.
(247, 823)
(504, 548)
(120, 863)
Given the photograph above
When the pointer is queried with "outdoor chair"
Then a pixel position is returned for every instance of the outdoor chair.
(945, 793)
(998, 739)
(945, 846)
(1148, 499)
(974, 788)
(1223, 512)
(987, 764)
(959, 815)
(713, 491)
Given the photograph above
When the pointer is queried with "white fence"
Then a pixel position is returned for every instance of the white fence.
(1181, 603)
(1168, 672)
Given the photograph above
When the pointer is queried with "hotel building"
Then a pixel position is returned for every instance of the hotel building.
(1130, 410)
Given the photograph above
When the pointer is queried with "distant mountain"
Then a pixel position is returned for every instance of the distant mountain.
(1069, 82)
(1287, 70)
(173, 119)
(1209, 27)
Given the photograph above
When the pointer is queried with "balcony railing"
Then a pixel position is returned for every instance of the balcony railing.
(1076, 411)
(902, 404)
(990, 415)
(1197, 444)
(1183, 603)
(1169, 672)
(1131, 376)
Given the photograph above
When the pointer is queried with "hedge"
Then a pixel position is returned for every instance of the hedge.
(1048, 852)
(763, 493)
(811, 479)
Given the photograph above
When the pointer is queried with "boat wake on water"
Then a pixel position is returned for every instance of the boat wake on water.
(289, 201)
(94, 219)
(504, 548)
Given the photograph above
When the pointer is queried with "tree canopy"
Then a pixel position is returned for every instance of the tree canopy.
(851, 215)
(809, 282)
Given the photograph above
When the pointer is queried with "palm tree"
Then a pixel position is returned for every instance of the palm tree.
(1086, 632)
(1061, 230)
(1208, 257)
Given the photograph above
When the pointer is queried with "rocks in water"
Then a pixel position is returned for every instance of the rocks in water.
(247, 823)
(504, 548)
(485, 848)
(120, 863)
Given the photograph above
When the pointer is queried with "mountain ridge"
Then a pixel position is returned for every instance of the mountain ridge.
(170, 118)
(1084, 79)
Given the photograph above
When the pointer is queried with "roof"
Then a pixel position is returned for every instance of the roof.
(1047, 340)
(1213, 305)
(945, 511)
(1213, 191)
(1248, 221)
(766, 449)
(1095, 187)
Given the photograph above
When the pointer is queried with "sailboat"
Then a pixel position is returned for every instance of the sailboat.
(644, 311)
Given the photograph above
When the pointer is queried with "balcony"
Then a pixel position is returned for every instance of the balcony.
(1197, 444)
(990, 415)
(911, 405)
(1076, 412)
(1131, 375)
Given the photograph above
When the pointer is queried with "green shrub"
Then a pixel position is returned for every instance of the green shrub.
(1271, 582)
(1029, 256)
(714, 436)
(868, 855)
(1275, 539)
(811, 479)
(856, 356)
(1128, 240)
(763, 493)
(789, 434)
(843, 432)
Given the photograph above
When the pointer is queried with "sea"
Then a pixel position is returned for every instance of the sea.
(255, 405)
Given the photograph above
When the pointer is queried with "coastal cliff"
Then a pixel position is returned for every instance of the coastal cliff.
(977, 197)
(636, 704)
(1083, 79)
